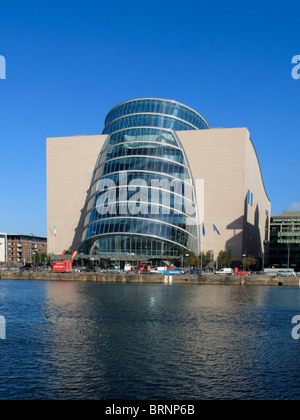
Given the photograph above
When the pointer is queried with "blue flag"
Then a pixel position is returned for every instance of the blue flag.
(216, 230)
(203, 230)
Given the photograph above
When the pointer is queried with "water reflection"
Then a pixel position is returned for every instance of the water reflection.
(144, 341)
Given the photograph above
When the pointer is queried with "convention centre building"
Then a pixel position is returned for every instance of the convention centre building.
(156, 185)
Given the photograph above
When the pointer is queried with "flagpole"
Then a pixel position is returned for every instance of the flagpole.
(212, 244)
(201, 259)
(202, 243)
(214, 229)
(50, 240)
(54, 231)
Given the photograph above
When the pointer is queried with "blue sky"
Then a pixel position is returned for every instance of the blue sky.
(69, 62)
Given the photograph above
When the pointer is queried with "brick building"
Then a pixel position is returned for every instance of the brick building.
(22, 248)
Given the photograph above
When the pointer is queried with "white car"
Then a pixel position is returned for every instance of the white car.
(286, 273)
(227, 271)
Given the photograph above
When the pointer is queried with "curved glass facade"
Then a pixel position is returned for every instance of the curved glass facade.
(142, 198)
(157, 106)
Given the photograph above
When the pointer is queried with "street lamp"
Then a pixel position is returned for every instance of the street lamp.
(186, 262)
(244, 256)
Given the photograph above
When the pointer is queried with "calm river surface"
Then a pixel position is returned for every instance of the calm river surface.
(72, 340)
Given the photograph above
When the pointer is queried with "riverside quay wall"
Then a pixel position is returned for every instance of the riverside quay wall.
(151, 278)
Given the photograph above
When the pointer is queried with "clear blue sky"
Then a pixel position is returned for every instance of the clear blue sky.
(69, 62)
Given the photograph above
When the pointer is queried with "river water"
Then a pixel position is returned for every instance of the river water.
(72, 340)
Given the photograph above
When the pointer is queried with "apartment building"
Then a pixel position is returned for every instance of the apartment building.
(22, 248)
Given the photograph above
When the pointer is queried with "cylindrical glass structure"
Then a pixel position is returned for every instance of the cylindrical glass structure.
(142, 198)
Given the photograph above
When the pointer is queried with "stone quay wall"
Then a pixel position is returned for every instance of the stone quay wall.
(151, 278)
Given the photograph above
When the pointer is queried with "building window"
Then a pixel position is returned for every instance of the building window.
(250, 198)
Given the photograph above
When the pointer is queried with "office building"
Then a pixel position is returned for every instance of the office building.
(284, 249)
(157, 184)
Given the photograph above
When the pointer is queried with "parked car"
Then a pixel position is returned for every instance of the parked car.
(113, 270)
(241, 272)
(226, 271)
(286, 273)
(196, 271)
(27, 267)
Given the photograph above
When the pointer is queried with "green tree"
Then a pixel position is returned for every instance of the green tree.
(221, 258)
(209, 255)
(36, 257)
(225, 258)
(44, 257)
(206, 257)
(192, 259)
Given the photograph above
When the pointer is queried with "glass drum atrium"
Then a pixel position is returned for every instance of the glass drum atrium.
(141, 202)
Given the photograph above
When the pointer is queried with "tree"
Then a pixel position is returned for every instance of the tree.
(225, 258)
(206, 257)
(36, 258)
(249, 261)
(192, 259)
(221, 258)
(44, 257)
